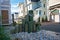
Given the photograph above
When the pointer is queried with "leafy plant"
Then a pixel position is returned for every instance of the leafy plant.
(3, 35)
(14, 23)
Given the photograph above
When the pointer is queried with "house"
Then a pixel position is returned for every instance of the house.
(54, 10)
(21, 9)
(5, 12)
(55, 13)
(39, 8)
(16, 17)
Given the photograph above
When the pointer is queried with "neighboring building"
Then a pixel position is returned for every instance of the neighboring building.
(53, 2)
(54, 10)
(55, 13)
(39, 7)
(21, 12)
(5, 12)
(16, 17)
(21, 9)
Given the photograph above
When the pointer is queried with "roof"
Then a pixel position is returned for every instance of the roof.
(54, 6)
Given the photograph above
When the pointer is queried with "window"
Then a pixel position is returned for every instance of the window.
(44, 5)
(39, 12)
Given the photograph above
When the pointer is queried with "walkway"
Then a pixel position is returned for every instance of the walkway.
(51, 26)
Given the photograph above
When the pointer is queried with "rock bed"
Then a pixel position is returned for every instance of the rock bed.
(41, 35)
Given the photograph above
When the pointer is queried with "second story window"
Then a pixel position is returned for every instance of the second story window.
(44, 5)
(39, 12)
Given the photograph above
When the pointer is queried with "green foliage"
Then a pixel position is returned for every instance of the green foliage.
(14, 23)
(30, 15)
(3, 35)
(31, 12)
(38, 26)
(28, 24)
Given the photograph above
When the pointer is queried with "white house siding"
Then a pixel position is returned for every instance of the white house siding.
(40, 14)
(30, 7)
(38, 6)
(36, 15)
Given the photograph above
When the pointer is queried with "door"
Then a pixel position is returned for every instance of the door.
(4, 16)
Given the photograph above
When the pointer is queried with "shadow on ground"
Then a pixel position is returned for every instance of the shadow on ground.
(51, 27)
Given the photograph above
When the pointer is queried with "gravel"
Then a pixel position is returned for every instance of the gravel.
(41, 35)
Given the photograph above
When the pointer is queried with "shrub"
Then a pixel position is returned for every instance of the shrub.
(14, 23)
(3, 35)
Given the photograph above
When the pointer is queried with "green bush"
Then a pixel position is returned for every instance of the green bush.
(14, 23)
(28, 24)
(3, 35)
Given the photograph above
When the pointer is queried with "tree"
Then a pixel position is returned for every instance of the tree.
(3, 35)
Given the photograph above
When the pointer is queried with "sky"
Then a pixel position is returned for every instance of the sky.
(14, 5)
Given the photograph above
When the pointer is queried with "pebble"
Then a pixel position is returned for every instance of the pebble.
(41, 35)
